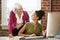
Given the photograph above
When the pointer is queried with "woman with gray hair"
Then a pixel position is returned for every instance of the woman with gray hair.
(17, 18)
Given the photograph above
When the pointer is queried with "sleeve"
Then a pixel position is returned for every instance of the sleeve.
(27, 20)
(10, 23)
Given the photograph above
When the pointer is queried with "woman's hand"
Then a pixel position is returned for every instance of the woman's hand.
(44, 32)
(19, 25)
(10, 35)
(32, 35)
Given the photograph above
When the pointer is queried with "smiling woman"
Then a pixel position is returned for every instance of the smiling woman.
(28, 5)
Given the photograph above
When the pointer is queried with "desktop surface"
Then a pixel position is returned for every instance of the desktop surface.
(30, 38)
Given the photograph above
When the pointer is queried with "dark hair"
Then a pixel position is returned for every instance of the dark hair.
(40, 14)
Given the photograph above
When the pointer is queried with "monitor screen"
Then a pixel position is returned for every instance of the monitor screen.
(53, 23)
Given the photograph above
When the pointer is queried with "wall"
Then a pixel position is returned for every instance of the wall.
(0, 13)
(48, 6)
(55, 5)
(4, 13)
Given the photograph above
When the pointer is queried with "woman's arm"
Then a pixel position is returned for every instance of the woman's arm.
(10, 27)
(43, 31)
(22, 30)
(19, 25)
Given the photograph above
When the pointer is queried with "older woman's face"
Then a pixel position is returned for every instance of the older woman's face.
(34, 16)
(19, 10)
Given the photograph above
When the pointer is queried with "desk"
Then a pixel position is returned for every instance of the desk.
(28, 38)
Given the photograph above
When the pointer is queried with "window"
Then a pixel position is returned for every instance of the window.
(28, 5)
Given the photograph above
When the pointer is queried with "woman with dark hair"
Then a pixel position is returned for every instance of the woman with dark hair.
(33, 28)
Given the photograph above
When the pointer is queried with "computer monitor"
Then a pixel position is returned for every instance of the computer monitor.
(53, 23)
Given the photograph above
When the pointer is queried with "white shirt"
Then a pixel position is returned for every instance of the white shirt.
(19, 20)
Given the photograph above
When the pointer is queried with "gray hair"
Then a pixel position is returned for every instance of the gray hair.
(16, 5)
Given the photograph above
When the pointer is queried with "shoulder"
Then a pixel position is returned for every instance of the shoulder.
(25, 12)
(28, 23)
(12, 13)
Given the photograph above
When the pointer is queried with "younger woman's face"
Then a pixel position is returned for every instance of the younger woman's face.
(34, 16)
